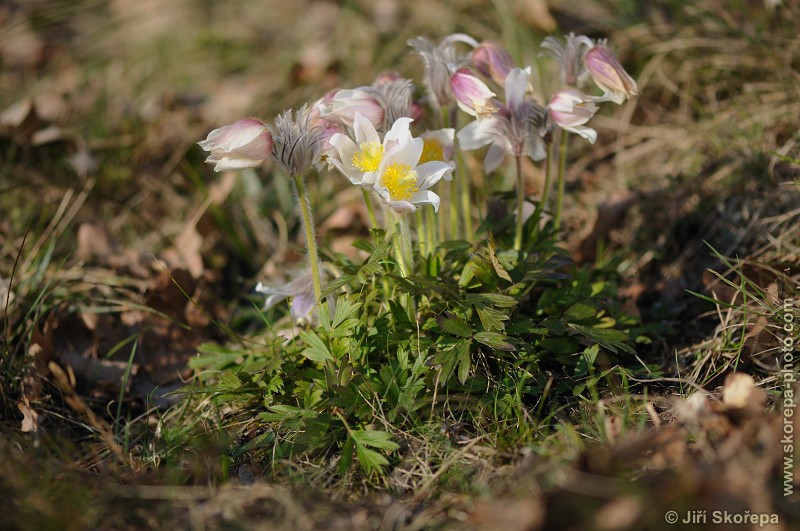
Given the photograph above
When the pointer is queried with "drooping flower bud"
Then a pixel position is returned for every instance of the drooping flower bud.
(471, 94)
(244, 144)
(493, 61)
(607, 72)
(570, 110)
(347, 102)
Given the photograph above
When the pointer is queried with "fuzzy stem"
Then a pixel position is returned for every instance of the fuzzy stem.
(308, 223)
(421, 232)
(548, 176)
(466, 202)
(562, 165)
(520, 203)
(370, 211)
(444, 117)
(431, 220)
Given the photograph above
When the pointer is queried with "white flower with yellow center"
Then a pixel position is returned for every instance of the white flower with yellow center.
(360, 160)
(403, 182)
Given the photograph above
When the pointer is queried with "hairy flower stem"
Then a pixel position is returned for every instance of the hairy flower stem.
(444, 115)
(403, 243)
(466, 202)
(370, 211)
(311, 239)
(421, 232)
(431, 222)
(520, 203)
(548, 176)
(562, 165)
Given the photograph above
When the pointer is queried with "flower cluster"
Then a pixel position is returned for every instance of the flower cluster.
(365, 133)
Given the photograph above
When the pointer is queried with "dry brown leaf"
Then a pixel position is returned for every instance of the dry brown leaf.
(30, 418)
(21, 118)
(742, 393)
(94, 242)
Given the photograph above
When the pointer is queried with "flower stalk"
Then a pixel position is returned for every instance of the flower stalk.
(562, 165)
(548, 177)
(520, 203)
(308, 223)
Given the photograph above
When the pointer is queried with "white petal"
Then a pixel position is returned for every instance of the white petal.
(426, 196)
(534, 148)
(302, 305)
(494, 157)
(516, 85)
(585, 131)
(430, 173)
(364, 130)
(476, 134)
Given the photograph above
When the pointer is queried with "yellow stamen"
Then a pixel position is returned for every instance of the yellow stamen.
(369, 156)
(401, 181)
(432, 150)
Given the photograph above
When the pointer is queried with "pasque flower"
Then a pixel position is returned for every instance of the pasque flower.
(360, 160)
(492, 61)
(244, 144)
(607, 72)
(344, 104)
(473, 96)
(300, 289)
(513, 128)
(570, 110)
(403, 182)
(440, 62)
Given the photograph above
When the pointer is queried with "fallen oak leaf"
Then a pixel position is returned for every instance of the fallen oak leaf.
(30, 418)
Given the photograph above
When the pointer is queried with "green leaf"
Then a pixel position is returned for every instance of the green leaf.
(283, 413)
(491, 320)
(454, 325)
(370, 460)
(316, 349)
(613, 340)
(336, 284)
(464, 360)
(375, 439)
(579, 312)
(346, 458)
(494, 340)
(491, 299)
(586, 360)
(498, 267)
(345, 309)
(214, 357)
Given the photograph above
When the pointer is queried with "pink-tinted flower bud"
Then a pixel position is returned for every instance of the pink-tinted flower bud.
(346, 103)
(570, 110)
(609, 75)
(472, 94)
(493, 61)
(244, 144)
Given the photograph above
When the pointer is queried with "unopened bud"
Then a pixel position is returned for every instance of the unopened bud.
(493, 61)
(244, 144)
(609, 75)
(472, 94)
